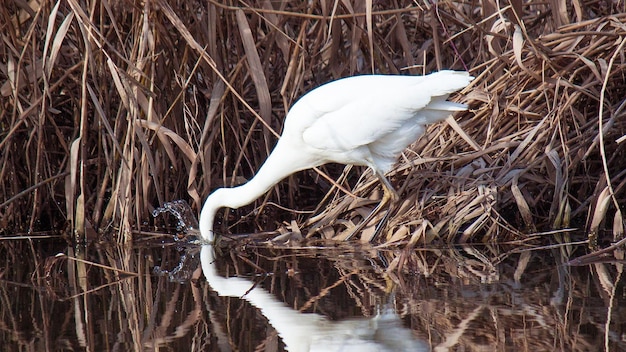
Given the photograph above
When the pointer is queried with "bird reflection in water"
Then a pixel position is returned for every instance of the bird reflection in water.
(310, 331)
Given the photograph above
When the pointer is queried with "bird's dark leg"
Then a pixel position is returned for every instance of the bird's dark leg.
(389, 196)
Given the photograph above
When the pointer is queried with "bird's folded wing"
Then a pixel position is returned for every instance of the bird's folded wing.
(360, 110)
(358, 123)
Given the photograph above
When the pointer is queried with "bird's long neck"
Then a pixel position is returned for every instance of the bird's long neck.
(294, 328)
(282, 162)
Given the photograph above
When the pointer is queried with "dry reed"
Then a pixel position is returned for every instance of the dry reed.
(111, 108)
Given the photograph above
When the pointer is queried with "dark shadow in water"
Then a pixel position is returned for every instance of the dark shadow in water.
(462, 298)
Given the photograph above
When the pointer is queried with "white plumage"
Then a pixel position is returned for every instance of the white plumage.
(363, 120)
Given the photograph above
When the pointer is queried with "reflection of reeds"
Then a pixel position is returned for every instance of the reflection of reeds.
(473, 298)
(112, 108)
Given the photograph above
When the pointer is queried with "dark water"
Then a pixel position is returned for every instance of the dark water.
(343, 298)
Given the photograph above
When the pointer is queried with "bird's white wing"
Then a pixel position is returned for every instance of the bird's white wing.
(360, 110)
(358, 123)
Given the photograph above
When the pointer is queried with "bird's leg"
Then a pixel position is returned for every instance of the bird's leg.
(392, 199)
(389, 195)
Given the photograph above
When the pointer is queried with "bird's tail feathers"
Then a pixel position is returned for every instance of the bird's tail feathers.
(431, 92)
(446, 82)
(444, 105)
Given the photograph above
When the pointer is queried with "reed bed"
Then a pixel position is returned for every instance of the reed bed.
(111, 108)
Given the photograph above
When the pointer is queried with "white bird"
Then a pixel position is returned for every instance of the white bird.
(362, 120)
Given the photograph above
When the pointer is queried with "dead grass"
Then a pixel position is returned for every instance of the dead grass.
(110, 109)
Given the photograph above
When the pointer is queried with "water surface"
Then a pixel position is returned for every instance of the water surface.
(345, 297)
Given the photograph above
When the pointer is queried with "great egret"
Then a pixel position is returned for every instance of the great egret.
(362, 120)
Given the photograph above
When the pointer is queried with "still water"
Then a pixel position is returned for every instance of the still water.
(339, 297)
